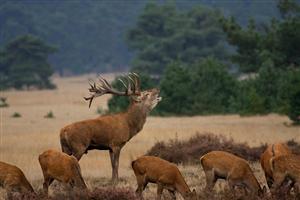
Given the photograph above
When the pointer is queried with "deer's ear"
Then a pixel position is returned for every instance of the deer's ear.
(264, 189)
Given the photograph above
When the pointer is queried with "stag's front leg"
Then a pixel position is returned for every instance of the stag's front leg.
(114, 158)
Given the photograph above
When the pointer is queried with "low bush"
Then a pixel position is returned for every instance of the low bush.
(16, 115)
(49, 115)
(190, 151)
(3, 102)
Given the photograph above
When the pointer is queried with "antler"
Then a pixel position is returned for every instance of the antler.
(132, 86)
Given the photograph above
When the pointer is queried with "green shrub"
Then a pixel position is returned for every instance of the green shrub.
(204, 88)
(16, 115)
(49, 115)
(3, 102)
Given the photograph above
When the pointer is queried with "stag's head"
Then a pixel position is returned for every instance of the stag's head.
(147, 99)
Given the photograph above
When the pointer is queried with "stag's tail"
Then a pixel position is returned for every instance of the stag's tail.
(65, 147)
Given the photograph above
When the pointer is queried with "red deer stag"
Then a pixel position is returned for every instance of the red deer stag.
(13, 180)
(110, 132)
(273, 150)
(224, 165)
(165, 174)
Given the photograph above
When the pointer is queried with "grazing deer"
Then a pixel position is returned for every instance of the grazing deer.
(273, 150)
(165, 174)
(62, 167)
(13, 180)
(224, 165)
(110, 132)
(285, 167)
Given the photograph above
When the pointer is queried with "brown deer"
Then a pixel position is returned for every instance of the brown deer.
(285, 167)
(59, 166)
(165, 174)
(13, 180)
(110, 132)
(273, 150)
(224, 165)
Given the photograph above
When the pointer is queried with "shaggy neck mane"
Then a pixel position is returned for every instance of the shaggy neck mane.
(136, 118)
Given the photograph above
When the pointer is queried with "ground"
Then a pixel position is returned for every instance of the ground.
(23, 139)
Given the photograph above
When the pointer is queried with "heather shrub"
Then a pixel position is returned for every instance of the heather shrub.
(113, 193)
(189, 151)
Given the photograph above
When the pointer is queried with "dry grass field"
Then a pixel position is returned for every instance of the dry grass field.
(23, 139)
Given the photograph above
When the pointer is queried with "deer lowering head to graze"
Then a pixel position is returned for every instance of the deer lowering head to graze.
(110, 132)
(13, 180)
(224, 165)
(273, 150)
(285, 168)
(61, 167)
(151, 169)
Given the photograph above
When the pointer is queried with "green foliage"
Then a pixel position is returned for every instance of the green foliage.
(205, 88)
(120, 103)
(248, 101)
(16, 115)
(276, 41)
(49, 115)
(175, 90)
(212, 87)
(24, 64)
(294, 112)
(164, 34)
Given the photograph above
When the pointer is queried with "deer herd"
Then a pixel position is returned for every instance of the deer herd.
(112, 132)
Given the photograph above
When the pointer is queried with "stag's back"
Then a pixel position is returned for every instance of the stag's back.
(11, 176)
(61, 166)
(273, 150)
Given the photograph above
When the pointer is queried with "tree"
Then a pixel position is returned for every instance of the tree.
(294, 112)
(24, 63)
(164, 34)
(175, 90)
(212, 87)
(276, 41)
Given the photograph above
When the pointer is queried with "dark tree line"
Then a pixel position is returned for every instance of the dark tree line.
(187, 50)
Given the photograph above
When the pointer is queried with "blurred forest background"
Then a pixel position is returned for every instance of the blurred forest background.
(207, 56)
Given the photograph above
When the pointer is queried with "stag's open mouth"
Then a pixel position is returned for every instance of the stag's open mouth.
(159, 99)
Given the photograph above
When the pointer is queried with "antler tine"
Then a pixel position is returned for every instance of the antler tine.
(128, 86)
(136, 80)
(132, 82)
(103, 87)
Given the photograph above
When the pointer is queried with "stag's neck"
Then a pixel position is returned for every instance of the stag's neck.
(136, 118)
